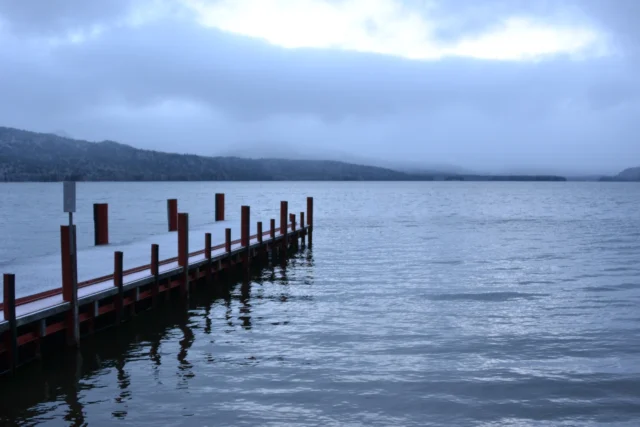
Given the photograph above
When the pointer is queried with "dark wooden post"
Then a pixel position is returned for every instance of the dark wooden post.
(310, 219)
(284, 213)
(155, 272)
(272, 224)
(172, 214)
(227, 240)
(219, 206)
(101, 223)
(259, 226)
(9, 308)
(302, 228)
(118, 281)
(183, 250)
(245, 226)
(207, 256)
(69, 293)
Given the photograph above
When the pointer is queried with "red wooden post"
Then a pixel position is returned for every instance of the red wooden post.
(227, 240)
(310, 211)
(67, 272)
(118, 282)
(284, 208)
(172, 214)
(207, 245)
(183, 250)
(303, 232)
(68, 268)
(219, 206)
(183, 239)
(101, 223)
(292, 219)
(245, 225)
(273, 228)
(9, 308)
(155, 272)
(259, 232)
(310, 219)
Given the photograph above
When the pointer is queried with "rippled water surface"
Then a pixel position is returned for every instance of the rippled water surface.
(455, 303)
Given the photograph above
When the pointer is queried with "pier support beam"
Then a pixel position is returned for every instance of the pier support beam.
(259, 227)
(172, 214)
(310, 219)
(9, 308)
(101, 223)
(69, 286)
(183, 251)
(303, 233)
(219, 206)
(272, 231)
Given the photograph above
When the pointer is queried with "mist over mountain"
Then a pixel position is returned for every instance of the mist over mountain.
(31, 156)
(266, 150)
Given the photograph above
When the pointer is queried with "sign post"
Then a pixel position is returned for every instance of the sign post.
(69, 202)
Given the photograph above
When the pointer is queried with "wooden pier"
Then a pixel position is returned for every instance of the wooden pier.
(34, 324)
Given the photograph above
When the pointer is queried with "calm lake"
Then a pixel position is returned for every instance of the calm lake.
(435, 303)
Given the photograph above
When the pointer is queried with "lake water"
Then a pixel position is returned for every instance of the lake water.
(471, 304)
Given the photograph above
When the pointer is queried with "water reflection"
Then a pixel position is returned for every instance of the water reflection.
(66, 379)
(75, 413)
(124, 381)
(245, 295)
(185, 368)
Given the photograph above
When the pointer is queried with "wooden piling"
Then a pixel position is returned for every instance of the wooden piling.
(245, 223)
(9, 309)
(272, 224)
(284, 214)
(101, 223)
(172, 214)
(227, 240)
(69, 286)
(302, 225)
(183, 250)
(259, 227)
(310, 220)
(118, 282)
(207, 256)
(219, 207)
(155, 272)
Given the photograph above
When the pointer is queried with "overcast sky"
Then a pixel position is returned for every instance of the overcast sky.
(546, 85)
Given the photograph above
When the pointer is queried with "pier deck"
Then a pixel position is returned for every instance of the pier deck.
(130, 275)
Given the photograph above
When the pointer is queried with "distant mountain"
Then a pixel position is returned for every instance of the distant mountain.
(30, 156)
(631, 174)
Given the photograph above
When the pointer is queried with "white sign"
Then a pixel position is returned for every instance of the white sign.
(69, 196)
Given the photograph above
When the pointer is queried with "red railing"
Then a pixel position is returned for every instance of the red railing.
(52, 292)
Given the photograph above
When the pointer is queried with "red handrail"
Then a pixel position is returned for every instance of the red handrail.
(52, 292)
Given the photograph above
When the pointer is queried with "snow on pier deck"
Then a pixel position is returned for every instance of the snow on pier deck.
(45, 273)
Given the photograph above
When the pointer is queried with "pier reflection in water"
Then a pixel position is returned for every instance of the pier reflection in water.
(121, 368)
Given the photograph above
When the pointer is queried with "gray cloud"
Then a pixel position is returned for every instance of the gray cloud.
(172, 85)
